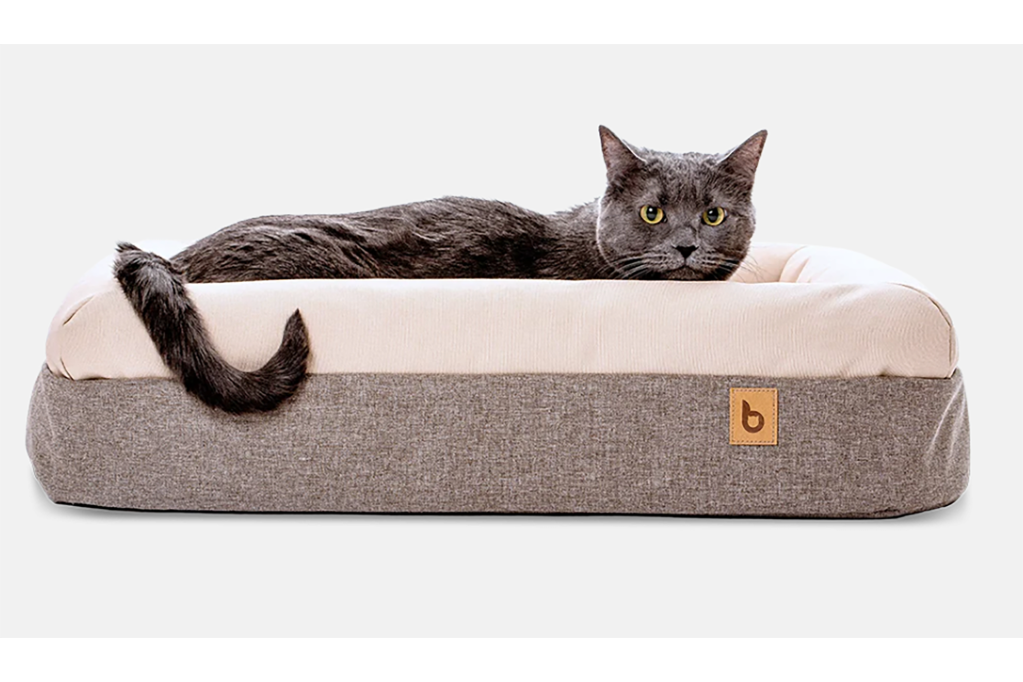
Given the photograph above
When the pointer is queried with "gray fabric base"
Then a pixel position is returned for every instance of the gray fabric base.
(539, 443)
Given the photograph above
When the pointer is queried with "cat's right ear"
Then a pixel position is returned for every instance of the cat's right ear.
(618, 157)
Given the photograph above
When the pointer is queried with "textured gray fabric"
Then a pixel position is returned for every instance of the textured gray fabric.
(536, 443)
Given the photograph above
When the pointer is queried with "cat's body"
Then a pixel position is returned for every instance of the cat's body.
(662, 216)
(441, 238)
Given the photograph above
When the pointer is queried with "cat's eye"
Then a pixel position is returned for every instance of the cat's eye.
(713, 216)
(651, 214)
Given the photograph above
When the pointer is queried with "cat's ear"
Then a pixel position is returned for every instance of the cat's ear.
(742, 161)
(618, 156)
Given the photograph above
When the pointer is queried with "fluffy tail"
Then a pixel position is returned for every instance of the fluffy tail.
(157, 292)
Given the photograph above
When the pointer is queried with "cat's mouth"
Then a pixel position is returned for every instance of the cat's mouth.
(656, 267)
(684, 274)
(695, 273)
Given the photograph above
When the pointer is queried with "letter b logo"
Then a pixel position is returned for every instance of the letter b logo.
(753, 416)
(748, 417)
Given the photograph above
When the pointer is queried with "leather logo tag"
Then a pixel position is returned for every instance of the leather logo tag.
(753, 416)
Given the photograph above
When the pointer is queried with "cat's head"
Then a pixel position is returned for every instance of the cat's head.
(676, 216)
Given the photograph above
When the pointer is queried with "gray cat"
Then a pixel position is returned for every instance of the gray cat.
(662, 216)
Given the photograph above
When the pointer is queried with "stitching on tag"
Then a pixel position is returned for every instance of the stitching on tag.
(734, 419)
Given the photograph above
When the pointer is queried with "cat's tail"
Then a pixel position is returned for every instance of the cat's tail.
(156, 291)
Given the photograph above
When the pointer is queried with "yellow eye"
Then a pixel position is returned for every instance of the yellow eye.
(713, 216)
(651, 214)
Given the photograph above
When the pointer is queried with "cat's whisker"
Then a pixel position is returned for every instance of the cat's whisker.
(716, 267)
(750, 263)
(633, 271)
(631, 266)
(634, 267)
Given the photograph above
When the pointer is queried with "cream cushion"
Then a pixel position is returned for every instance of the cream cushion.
(790, 311)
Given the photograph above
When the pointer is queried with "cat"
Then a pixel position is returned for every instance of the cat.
(662, 216)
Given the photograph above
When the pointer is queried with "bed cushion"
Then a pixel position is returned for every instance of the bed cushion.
(791, 311)
(817, 383)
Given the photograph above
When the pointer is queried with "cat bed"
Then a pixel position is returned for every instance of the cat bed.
(816, 382)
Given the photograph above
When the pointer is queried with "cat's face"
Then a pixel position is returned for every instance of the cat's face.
(676, 216)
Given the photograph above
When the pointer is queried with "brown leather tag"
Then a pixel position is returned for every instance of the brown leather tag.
(753, 416)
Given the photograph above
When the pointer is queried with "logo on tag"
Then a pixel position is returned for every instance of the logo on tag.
(753, 416)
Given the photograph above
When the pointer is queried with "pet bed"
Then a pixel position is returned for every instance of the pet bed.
(815, 383)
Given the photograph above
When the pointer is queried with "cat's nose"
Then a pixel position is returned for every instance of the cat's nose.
(686, 251)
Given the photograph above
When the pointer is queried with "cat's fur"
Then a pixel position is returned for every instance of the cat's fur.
(449, 237)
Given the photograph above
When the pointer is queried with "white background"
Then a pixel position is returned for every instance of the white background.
(910, 155)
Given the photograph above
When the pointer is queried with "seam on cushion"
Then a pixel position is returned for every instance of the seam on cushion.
(84, 303)
(64, 367)
(948, 321)
(789, 260)
(74, 312)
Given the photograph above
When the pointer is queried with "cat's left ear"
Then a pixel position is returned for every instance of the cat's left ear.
(742, 161)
